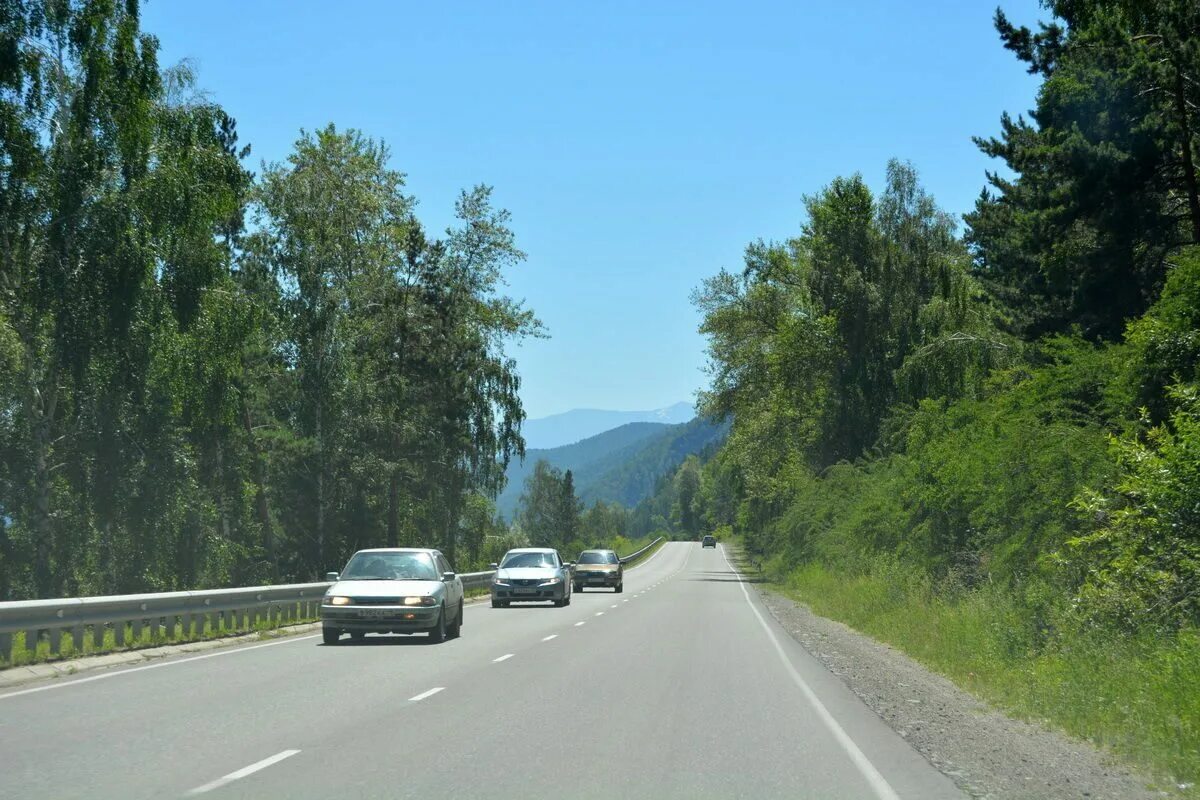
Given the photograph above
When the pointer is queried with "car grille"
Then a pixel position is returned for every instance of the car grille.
(526, 582)
(378, 601)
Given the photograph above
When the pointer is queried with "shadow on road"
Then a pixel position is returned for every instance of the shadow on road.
(382, 640)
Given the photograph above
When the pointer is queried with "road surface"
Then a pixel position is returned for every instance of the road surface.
(681, 687)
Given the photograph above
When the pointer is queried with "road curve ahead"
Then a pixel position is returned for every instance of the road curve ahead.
(681, 687)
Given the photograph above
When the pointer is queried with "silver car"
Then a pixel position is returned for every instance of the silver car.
(531, 573)
(393, 590)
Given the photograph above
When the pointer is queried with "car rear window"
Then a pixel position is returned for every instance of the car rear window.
(598, 557)
(390, 566)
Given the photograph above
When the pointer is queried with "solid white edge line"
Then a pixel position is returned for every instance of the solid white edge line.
(243, 772)
(424, 695)
(504, 657)
(551, 636)
(879, 784)
(118, 673)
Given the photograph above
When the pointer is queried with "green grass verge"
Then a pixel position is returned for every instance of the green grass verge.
(1136, 696)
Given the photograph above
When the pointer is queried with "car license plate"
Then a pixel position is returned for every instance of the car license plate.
(524, 591)
(596, 579)
(374, 612)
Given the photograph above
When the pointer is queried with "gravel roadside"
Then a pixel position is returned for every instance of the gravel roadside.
(987, 754)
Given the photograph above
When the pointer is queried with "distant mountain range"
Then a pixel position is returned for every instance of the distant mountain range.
(621, 465)
(574, 426)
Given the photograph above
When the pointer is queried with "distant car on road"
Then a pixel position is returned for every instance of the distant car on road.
(393, 590)
(709, 541)
(599, 568)
(531, 573)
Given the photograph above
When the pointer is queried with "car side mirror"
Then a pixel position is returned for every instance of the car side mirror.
(493, 565)
(447, 576)
(331, 576)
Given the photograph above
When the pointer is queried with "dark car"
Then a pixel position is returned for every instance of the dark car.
(600, 568)
(709, 541)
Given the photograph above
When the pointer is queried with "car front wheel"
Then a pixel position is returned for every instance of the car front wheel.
(330, 635)
(437, 634)
(456, 628)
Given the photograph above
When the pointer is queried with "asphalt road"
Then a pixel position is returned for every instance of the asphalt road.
(681, 687)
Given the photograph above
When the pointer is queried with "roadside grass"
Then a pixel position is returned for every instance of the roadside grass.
(68, 649)
(1137, 696)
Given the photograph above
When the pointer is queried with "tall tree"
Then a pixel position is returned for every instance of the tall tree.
(1105, 185)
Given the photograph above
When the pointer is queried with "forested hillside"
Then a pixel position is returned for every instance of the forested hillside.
(574, 457)
(210, 376)
(621, 466)
(985, 447)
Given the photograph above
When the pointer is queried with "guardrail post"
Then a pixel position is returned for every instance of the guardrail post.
(137, 629)
(6, 647)
(31, 640)
(119, 633)
(55, 640)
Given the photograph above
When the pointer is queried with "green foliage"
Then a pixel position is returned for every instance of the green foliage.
(1105, 185)
(183, 404)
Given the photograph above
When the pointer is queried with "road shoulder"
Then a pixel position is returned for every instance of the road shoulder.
(987, 754)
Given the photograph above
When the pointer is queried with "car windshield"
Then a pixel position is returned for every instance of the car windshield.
(390, 566)
(598, 557)
(528, 560)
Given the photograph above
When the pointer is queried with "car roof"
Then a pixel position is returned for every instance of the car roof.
(597, 550)
(532, 550)
(398, 550)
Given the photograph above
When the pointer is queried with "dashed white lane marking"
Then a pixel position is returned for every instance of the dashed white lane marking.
(614, 605)
(243, 772)
(504, 657)
(624, 601)
(883, 789)
(599, 613)
(231, 652)
(424, 695)
(577, 624)
(551, 636)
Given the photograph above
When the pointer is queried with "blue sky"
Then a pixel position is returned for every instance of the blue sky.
(638, 145)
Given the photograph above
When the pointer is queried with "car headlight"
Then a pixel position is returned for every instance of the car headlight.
(338, 601)
(498, 581)
(552, 581)
(424, 600)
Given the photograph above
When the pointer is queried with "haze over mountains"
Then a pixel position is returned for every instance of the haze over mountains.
(572, 426)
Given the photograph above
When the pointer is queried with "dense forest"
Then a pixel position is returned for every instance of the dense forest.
(210, 376)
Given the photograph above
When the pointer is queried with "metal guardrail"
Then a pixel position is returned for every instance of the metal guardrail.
(168, 615)
(639, 553)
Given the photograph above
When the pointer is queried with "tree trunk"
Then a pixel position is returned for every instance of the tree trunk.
(259, 476)
(320, 492)
(1189, 166)
(42, 410)
(393, 529)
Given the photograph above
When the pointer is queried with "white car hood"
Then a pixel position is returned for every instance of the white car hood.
(527, 573)
(353, 588)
